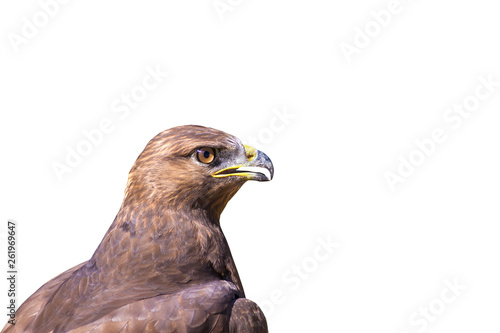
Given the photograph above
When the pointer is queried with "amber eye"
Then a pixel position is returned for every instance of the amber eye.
(205, 154)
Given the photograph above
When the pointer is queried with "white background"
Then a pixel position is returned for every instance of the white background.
(350, 119)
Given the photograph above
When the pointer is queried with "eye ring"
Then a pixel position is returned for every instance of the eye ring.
(205, 155)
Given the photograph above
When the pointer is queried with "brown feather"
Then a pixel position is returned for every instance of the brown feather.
(164, 265)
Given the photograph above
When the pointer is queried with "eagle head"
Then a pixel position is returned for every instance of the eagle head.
(194, 168)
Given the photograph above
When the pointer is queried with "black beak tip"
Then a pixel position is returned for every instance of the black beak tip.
(266, 162)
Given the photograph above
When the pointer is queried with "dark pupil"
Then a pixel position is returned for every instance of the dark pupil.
(206, 154)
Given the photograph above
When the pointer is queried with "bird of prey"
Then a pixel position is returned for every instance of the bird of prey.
(164, 265)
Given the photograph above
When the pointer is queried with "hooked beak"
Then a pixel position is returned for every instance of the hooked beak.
(255, 159)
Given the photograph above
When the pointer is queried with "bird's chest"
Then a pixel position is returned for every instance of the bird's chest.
(195, 248)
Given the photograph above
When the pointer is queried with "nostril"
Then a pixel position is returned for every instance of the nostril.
(250, 152)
